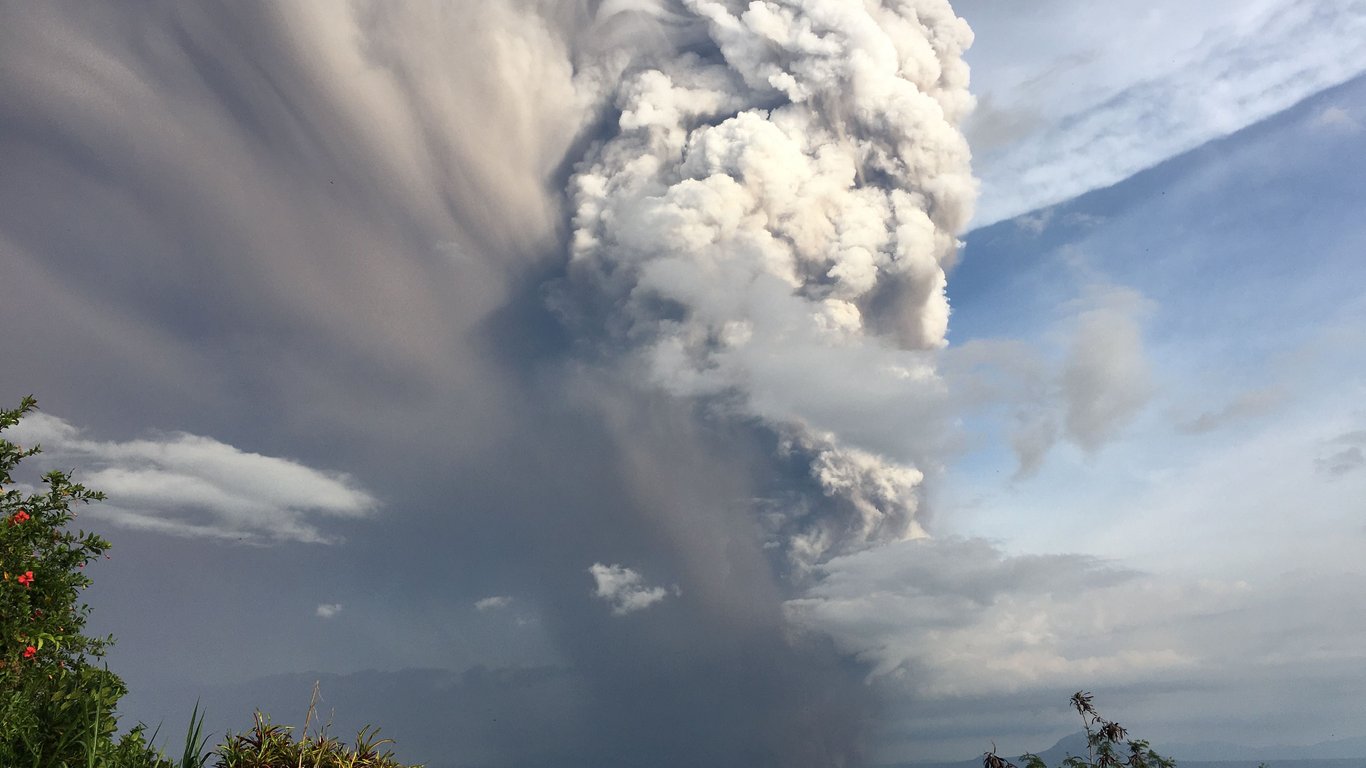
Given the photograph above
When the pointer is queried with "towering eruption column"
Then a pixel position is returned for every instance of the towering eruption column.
(769, 226)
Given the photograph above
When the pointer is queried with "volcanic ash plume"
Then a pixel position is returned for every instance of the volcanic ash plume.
(769, 226)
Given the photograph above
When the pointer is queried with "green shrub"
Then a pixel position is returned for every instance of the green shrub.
(55, 703)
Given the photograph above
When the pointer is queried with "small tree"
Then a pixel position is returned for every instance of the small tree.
(55, 702)
(1107, 745)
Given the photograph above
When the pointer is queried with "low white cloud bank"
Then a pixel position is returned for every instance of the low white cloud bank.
(327, 610)
(1245, 67)
(188, 485)
(624, 589)
(961, 618)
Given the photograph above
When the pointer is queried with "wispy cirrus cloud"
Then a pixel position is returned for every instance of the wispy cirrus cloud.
(194, 486)
(1072, 131)
(1244, 406)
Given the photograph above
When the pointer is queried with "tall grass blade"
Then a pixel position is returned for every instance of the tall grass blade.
(194, 755)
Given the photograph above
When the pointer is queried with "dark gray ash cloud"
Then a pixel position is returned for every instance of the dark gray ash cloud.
(325, 234)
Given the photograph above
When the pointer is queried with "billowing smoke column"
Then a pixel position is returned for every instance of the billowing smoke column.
(760, 224)
(769, 227)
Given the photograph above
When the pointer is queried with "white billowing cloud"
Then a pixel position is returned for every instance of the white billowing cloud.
(188, 485)
(878, 495)
(492, 603)
(624, 589)
(1087, 121)
(773, 230)
(327, 610)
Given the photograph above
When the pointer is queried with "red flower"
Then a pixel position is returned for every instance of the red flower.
(19, 517)
(27, 578)
(30, 652)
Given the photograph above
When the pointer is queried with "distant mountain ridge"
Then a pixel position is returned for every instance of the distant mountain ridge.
(1338, 753)
(1338, 749)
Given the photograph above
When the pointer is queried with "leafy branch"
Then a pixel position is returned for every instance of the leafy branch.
(1107, 745)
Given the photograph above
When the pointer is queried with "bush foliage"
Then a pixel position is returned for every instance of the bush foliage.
(267, 744)
(55, 702)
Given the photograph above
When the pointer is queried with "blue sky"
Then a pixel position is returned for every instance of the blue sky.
(1231, 491)
(575, 383)
(1243, 254)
